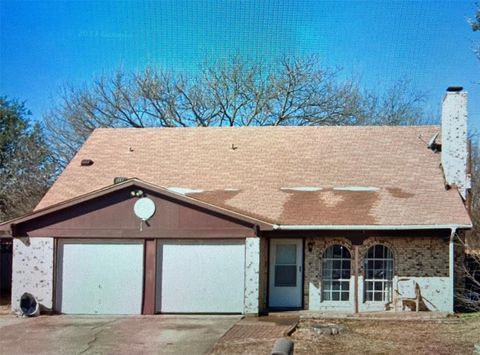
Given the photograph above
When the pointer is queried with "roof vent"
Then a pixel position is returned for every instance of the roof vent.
(454, 88)
(119, 179)
(86, 162)
(433, 145)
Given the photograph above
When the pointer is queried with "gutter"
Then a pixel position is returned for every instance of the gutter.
(294, 227)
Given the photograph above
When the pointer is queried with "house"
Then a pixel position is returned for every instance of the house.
(250, 219)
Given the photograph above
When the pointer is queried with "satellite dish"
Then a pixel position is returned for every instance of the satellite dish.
(144, 208)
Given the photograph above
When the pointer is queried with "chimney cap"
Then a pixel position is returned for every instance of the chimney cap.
(454, 88)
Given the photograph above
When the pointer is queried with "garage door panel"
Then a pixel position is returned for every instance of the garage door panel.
(98, 277)
(200, 276)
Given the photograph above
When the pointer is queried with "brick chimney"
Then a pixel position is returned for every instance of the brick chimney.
(454, 139)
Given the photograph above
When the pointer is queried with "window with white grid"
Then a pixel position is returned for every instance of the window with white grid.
(336, 274)
(378, 267)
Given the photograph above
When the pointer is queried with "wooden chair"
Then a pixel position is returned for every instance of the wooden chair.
(406, 290)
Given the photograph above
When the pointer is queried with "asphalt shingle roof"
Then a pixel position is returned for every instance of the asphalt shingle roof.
(281, 175)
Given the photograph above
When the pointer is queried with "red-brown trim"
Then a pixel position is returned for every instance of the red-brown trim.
(304, 240)
(88, 233)
(356, 236)
(55, 281)
(356, 268)
(150, 270)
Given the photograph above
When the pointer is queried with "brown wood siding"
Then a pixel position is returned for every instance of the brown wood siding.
(150, 276)
(111, 216)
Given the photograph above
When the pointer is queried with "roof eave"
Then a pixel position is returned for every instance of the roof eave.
(311, 227)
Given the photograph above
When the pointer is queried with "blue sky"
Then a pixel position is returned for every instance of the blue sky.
(46, 44)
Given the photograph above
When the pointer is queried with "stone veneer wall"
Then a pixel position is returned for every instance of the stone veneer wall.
(454, 140)
(252, 275)
(423, 259)
(32, 271)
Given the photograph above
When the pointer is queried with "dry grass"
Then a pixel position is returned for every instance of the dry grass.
(448, 336)
(455, 335)
(245, 347)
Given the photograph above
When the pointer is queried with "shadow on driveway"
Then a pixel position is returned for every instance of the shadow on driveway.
(160, 334)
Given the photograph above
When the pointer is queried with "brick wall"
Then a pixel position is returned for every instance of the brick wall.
(423, 258)
(313, 263)
(415, 256)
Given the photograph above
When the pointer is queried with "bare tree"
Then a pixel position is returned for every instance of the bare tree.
(467, 291)
(398, 105)
(475, 194)
(236, 92)
(468, 296)
(475, 24)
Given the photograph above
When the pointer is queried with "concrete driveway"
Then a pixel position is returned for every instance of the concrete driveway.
(160, 334)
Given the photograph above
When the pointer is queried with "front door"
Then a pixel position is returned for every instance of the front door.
(286, 259)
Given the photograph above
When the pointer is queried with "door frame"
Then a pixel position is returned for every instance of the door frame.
(6, 273)
(301, 242)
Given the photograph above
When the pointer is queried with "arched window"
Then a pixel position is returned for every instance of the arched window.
(378, 273)
(336, 274)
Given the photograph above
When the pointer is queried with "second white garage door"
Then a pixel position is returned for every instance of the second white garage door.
(200, 276)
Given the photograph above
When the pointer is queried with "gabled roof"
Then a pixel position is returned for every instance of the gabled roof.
(6, 227)
(280, 175)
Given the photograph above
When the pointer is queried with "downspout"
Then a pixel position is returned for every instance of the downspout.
(451, 265)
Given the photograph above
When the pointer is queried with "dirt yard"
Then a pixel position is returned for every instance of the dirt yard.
(453, 335)
(447, 336)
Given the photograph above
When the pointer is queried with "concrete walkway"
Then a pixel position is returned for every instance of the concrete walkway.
(265, 327)
(255, 335)
(160, 334)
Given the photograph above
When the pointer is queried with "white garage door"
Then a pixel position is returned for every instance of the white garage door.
(200, 276)
(99, 277)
